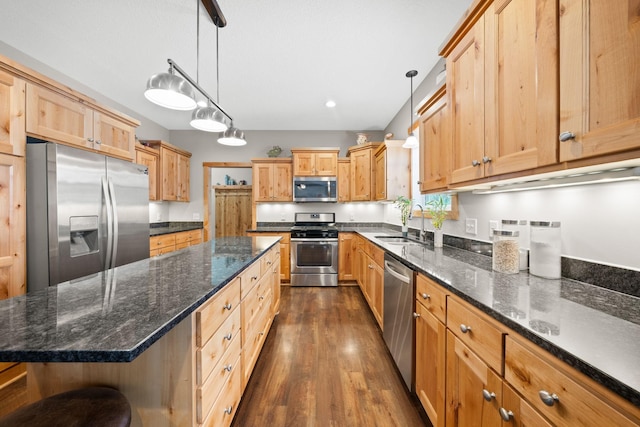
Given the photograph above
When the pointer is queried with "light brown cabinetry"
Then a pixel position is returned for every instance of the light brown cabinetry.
(272, 180)
(233, 209)
(165, 243)
(435, 143)
(12, 226)
(315, 161)
(392, 171)
(12, 114)
(346, 256)
(150, 158)
(283, 252)
(371, 278)
(362, 171)
(344, 180)
(55, 117)
(599, 45)
(174, 171)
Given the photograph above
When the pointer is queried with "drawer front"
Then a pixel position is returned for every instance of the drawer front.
(253, 339)
(215, 312)
(267, 261)
(376, 254)
(249, 278)
(182, 237)
(224, 338)
(532, 374)
(182, 245)
(482, 336)
(226, 405)
(432, 296)
(158, 242)
(195, 236)
(254, 304)
(208, 393)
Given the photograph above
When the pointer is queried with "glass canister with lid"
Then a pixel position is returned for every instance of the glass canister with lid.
(519, 225)
(506, 254)
(545, 249)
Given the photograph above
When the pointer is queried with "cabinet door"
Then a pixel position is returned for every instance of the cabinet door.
(262, 182)
(381, 175)
(435, 146)
(151, 162)
(431, 338)
(303, 164)
(113, 137)
(169, 171)
(521, 92)
(326, 164)
(599, 45)
(376, 278)
(344, 185)
(361, 175)
(12, 226)
(465, 89)
(12, 117)
(55, 117)
(282, 182)
(346, 255)
(519, 412)
(184, 171)
(468, 379)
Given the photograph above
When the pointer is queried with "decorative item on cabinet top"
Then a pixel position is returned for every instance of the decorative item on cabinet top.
(274, 151)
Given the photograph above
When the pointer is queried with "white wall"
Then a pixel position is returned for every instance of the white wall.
(345, 212)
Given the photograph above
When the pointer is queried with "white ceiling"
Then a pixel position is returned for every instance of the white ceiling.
(280, 60)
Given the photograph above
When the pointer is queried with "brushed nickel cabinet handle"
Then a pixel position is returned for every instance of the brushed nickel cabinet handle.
(464, 328)
(228, 410)
(228, 336)
(416, 315)
(505, 415)
(228, 368)
(227, 306)
(486, 159)
(425, 296)
(475, 163)
(566, 136)
(488, 395)
(547, 398)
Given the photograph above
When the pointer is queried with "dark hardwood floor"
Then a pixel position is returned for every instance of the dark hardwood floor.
(324, 364)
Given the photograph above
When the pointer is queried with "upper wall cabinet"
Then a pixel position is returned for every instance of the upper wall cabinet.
(58, 118)
(344, 180)
(363, 171)
(392, 171)
(315, 161)
(12, 116)
(174, 175)
(272, 180)
(503, 88)
(150, 158)
(599, 63)
(435, 143)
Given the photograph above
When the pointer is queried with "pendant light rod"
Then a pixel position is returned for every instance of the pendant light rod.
(411, 74)
(215, 13)
(197, 86)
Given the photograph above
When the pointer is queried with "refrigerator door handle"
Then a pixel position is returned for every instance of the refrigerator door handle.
(107, 201)
(114, 236)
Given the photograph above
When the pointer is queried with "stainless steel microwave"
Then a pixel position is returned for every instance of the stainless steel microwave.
(315, 189)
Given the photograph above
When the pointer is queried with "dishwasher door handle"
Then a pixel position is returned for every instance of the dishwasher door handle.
(389, 267)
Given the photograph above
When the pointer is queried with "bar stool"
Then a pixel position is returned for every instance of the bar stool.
(93, 406)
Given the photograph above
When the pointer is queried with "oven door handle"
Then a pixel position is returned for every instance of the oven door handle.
(304, 240)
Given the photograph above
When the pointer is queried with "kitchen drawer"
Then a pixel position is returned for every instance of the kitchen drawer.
(208, 393)
(216, 311)
(267, 260)
(376, 254)
(195, 236)
(249, 278)
(182, 245)
(226, 405)
(182, 237)
(253, 339)
(162, 241)
(483, 335)
(223, 339)
(580, 401)
(432, 296)
(254, 304)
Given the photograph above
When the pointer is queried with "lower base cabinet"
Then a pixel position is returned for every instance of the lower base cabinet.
(165, 243)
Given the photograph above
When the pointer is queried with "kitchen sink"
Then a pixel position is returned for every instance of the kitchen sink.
(398, 240)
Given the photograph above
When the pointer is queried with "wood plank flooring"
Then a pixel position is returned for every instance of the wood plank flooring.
(325, 363)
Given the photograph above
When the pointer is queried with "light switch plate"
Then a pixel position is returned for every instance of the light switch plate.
(471, 226)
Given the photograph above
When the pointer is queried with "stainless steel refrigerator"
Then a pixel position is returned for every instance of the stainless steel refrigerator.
(85, 213)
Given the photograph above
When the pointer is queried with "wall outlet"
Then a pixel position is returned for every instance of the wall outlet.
(493, 225)
(471, 226)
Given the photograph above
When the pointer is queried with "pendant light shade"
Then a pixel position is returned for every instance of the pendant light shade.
(209, 119)
(412, 141)
(170, 91)
(232, 136)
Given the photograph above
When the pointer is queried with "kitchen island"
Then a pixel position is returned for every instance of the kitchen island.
(132, 327)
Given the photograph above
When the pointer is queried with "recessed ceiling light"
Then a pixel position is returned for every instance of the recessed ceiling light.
(330, 104)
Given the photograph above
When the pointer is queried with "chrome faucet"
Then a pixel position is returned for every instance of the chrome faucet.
(423, 231)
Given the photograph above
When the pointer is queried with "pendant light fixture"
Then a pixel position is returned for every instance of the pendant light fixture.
(170, 91)
(411, 141)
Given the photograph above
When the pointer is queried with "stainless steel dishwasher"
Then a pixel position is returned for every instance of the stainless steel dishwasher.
(398, 315)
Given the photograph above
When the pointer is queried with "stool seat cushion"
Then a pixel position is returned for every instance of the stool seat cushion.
(93, 406)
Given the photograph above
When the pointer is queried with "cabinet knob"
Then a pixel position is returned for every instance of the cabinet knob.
(98, 141)
(261, 333)
(228, 410)
(547, 398)
(227, 306)
(486, 159)
(90, 139)
(261, 297)
(228, 368)
(488, 395)
(254, 277)
(475, 163)
(464, 328)
(425, 296)
(566, 136)
(416, 315)
(506, 415)
(419, 182)
(228, 336)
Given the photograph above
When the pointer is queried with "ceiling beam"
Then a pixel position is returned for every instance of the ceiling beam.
(215, 12)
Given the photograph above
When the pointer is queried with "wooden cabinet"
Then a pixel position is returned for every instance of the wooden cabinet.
(12, 226)
(346, 257)
(502, 85)
(165, 243)
(392, 171)
(431, 336)
(435, 143)
(284, 253)
(272, 180)
(12, 114)
(55, 117)
(315, 161)
(174, 171)
(599, 45)
(363, 171)
(150, 158)
(372, 279)
(344, 180)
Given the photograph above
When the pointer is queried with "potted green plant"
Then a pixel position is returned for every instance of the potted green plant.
(404, 204)
(437, 210)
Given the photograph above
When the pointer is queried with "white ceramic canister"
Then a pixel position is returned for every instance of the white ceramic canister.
(545, 249)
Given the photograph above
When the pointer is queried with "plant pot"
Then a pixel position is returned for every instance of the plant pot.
(437, 238)
(405, 230)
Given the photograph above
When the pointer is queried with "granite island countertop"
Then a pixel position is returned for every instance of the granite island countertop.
(115, 315)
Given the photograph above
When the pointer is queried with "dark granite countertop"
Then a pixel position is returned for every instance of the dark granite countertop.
(115, 315)
(593, 329)
(160, 228)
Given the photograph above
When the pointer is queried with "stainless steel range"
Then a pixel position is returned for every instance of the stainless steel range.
(314, 250)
